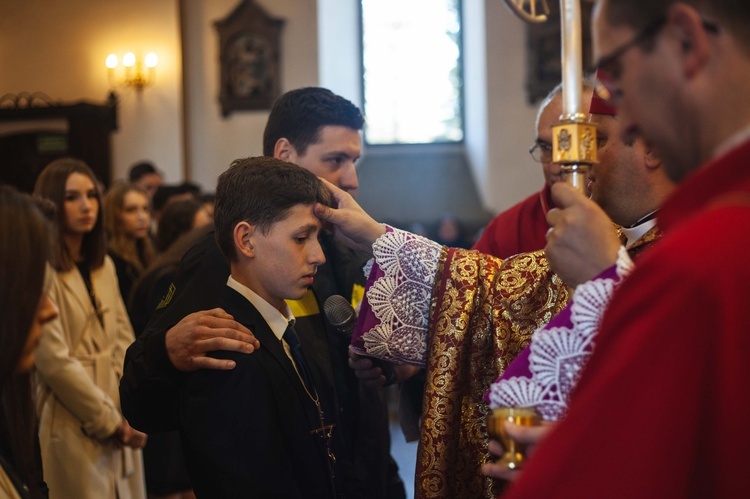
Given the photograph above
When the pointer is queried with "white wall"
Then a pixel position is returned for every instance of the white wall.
(499, 122)
(509, 173)
(339, 48)
(58, 47)
(214, 141)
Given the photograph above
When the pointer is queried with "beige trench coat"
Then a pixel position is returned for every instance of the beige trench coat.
(79, 365)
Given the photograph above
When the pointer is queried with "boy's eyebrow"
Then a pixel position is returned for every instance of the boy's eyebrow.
(310, 226)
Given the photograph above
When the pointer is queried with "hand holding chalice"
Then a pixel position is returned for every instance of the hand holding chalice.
(514, 455)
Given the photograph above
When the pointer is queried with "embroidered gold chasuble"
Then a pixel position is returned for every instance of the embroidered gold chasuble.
(464, 317)
(483, 313)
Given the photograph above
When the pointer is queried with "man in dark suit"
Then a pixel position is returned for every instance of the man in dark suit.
(261, 429)
(319, 131)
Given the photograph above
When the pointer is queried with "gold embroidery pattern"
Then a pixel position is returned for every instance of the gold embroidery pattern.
(483, 313)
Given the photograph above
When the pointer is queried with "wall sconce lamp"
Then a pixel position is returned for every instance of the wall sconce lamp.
(133, 72)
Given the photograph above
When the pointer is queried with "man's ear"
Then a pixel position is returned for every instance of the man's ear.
(284, 150)
(652, 160)
(692, 36)
(243, 239)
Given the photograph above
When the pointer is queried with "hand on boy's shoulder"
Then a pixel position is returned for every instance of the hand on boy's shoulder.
(195, 335)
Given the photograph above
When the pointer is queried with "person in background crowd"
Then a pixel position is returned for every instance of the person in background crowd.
(89, 451)
(147, 177)
(127, 220)
(208, 202)
(450, 233)
(168, 194)
(177, 219)
(27, 308)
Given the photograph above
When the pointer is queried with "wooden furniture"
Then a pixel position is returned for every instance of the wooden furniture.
(34, 131)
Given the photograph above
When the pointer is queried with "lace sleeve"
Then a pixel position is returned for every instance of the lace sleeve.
(559, 351)
(393, 320)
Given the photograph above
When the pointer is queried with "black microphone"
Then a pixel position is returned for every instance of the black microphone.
(340, 314)
(342, 317)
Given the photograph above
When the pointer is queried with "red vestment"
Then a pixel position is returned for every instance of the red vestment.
(520, 229)
(662, 408)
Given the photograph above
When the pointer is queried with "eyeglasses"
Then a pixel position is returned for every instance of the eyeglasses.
(608, 69)
(541, 151)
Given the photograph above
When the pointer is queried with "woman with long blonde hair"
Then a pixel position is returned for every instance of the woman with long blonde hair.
(127, 220)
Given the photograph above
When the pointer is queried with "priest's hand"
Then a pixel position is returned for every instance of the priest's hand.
(532, 436)
(582, 242)
(195, 335)
(373, 376)
(352, 225)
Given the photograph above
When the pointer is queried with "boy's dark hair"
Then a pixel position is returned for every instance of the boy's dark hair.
(138, 170)
(298, 116)
(261, 191)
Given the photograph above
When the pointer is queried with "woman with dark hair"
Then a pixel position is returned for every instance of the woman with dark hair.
(88, 449)
(127, 221)
(178, 218)
(26, 308)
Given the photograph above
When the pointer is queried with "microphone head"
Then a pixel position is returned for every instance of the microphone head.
(338, 310)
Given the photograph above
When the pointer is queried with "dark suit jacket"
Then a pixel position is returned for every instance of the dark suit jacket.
(246, 432)
(149, 382)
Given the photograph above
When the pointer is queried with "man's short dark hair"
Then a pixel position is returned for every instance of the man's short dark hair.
(298, 116)
(162, 195)
(261, 191)
(139, 170)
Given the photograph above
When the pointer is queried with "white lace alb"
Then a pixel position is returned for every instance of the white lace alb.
(400, 299)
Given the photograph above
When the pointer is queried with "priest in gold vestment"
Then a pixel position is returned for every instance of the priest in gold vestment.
(465, 316)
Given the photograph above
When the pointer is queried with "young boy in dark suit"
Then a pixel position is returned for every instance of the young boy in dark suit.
(262, 429)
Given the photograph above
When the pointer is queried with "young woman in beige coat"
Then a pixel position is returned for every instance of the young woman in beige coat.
(88, 448)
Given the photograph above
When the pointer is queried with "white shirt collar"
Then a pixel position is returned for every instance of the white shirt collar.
(277, 321)
(735, 140)
(634, 233)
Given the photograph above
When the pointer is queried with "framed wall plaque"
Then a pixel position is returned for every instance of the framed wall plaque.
(249, 56)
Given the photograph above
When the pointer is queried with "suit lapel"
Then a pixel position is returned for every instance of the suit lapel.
(244, 312)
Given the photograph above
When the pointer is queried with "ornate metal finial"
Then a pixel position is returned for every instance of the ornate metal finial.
(572, 144)
(528, 10)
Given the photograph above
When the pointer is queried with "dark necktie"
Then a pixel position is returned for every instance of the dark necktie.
(290, 336)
